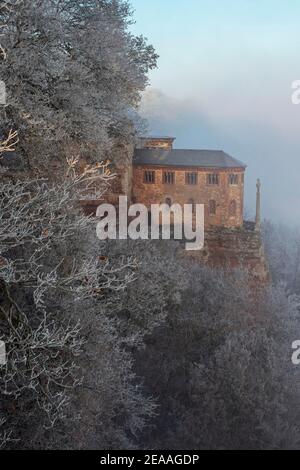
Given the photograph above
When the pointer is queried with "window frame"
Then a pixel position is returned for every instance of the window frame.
(233, 179)
(168, 175)
(189, 178)
(149, 180)
(212, 179)
(169, 201)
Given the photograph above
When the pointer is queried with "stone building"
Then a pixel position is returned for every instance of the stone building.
(213, 178)
(161, 174)
(154, 172)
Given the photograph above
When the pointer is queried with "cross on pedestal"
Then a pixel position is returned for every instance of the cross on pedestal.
(257, 216)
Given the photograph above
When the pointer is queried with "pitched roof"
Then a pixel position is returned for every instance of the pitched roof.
(186, 158)
(158, 137)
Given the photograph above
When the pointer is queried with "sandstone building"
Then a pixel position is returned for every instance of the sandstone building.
(155, 172)
(213, 178)
(162, 174)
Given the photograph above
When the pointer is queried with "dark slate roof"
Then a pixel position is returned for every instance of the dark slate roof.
(158, 137)
(186, 158)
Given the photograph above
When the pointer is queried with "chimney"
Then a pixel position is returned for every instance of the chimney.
(162, 143)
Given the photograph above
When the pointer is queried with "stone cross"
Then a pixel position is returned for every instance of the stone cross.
(257, 217)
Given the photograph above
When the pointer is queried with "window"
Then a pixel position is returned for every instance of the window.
(243, 178)
(149, 177)
(213, 178)
(191, 178)
(192, 203)
(212, 207)
(233, 179)
(168, 201)
(168, 177)
(232, 209)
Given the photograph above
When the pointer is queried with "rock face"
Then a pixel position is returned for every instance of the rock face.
(235, 248)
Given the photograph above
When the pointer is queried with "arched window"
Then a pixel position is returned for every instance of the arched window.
(212, 207)
(232, 209)
(192, 203)
(168, 201)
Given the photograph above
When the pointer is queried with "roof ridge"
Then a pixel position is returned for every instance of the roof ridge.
(199, 150)
(187, 157)
(183, 150)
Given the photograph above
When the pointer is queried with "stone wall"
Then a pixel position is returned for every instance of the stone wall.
(201, 193)
(235, 248)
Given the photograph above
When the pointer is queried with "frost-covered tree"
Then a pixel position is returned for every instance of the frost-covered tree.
(282, 246)
(98, 334)
(74, 74)
(220, 365)
(64, 355)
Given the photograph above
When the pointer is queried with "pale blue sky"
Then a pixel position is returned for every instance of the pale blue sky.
(224, 81)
